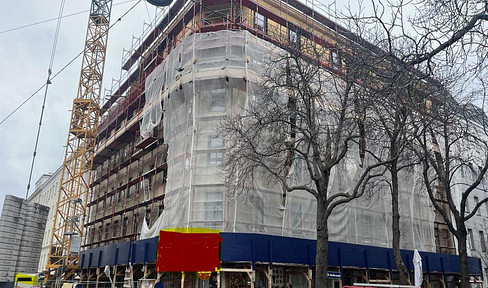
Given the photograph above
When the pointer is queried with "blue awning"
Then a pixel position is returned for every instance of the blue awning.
(250, 247)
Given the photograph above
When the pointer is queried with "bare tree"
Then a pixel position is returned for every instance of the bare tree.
(442, 40)
(393, 93)
(454, 154)
(304, 114)
(391, 118)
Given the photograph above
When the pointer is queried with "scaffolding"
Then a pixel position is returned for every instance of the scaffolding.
(157, 154)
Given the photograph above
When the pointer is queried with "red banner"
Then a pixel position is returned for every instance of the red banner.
(188, 252)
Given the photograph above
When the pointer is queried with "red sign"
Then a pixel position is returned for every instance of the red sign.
(188, 252)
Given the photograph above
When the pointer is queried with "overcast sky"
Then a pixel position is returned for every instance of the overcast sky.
(24, 58)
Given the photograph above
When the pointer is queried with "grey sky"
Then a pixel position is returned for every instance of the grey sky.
(24, 57)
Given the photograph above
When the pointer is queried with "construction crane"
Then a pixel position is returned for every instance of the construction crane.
(80, 148)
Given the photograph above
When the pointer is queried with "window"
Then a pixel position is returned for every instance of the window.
(107, 229)
(215, 142)
(116, 228)
(296, 216)
(260, 22)
(124, 226)
(476, 201)
(213, 206)
(160, 209)
(482, 240)
(486, 205)
(128, 188)
(147, 217)
(293, 37)
(119, 198)
(471, 239)
(217, 99)
(135, 219)
(215, 157)
(335, 59)
(467, 205)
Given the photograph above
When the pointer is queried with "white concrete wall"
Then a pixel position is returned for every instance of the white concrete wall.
(47, 194)
(478, 227)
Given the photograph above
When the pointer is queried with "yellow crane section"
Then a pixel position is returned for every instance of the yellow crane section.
(78, 160)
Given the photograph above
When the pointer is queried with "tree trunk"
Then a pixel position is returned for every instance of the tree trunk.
(322, 257)
(402, 270)
(463, 257)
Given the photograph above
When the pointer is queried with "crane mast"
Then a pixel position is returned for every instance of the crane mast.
(80, 148)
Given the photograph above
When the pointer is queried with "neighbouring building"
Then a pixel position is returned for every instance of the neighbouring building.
(158, 156)
(46, 194)
(478, 230)
(21, 228)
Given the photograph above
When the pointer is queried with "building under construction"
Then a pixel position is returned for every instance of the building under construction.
(158, 160)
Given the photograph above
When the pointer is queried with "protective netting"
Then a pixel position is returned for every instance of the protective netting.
(153, 108)
(211, 75)
(368, 220)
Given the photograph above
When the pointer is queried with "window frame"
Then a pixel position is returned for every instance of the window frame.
(482, 241)
(214, 202)
(260, 22)
(471, 239)
(217, 100)
(335, 59)
(476, 201)
(107, 232)
(215, 150)
(294, 37)
(125, 223)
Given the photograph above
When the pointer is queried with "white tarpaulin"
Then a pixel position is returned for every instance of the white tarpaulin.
(211, 75)
(417, 265)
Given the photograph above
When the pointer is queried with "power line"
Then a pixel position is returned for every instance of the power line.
(48, 81)
(69, 63)
(54, 19)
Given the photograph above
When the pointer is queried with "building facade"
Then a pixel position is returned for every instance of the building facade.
(21, 223)
(478, 230)
(158, 160)
(46, 194)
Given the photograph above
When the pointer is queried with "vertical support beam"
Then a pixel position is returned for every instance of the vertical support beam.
(218, 279)
(427, 283)
(308, 275)
(182, 280)
(269, 276)
(115, 277)
(252, 277)
(98, 277)
(442, 280)
(365, 276)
